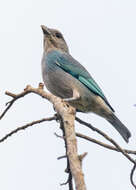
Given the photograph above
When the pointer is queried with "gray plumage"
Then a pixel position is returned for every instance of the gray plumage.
(67, 78)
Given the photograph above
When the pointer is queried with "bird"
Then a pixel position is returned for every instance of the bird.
(66, 78)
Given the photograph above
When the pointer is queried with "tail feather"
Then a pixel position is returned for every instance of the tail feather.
(120, 127)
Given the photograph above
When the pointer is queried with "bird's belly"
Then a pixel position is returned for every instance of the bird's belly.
(86, 103)
(89, 102)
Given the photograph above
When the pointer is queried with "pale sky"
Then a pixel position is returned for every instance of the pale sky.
(101, 35)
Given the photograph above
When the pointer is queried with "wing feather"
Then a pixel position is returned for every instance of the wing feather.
(73, 67)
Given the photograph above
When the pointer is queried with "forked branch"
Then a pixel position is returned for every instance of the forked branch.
(66, 116)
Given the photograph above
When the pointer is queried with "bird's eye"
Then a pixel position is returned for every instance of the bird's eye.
(58, 35)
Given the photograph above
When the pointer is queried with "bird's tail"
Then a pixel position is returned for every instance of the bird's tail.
(120, 127)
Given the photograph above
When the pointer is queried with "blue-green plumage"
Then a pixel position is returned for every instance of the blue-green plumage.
(67, 78)
(73, 67)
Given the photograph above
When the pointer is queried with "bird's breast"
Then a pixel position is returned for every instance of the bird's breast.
(56, 80)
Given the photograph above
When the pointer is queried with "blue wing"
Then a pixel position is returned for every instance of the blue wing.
(73, 67)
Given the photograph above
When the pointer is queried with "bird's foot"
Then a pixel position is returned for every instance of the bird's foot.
(76, 97)
(68, 100)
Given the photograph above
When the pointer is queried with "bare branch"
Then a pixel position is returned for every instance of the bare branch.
(67, 114)
(61, 157)
(9, 104)
(69, 181)
(58, 136)
(26, 91)
(82, 156)
(131, 176)
(107, 138)
(104, 144)
(26, 126)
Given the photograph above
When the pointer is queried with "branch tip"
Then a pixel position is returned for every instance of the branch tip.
(27, 87)
(82, 156)
(61, 157)
(41, 86)
(59, 136)
(132, 175)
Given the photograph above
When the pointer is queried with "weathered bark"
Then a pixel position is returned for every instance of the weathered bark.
(67, 114)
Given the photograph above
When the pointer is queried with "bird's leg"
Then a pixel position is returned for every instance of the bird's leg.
(76, 96)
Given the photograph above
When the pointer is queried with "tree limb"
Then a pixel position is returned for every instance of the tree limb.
(68, 169)
(68, 117)
(107, 138)
(67, 114)
(77, 134)
(131, 176)
(26, 126)
(104, 144)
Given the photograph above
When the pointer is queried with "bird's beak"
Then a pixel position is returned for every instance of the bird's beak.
(45, 30)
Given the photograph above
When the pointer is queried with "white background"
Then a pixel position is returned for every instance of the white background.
(101, 34)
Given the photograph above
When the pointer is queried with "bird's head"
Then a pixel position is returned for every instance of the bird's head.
(53, 40)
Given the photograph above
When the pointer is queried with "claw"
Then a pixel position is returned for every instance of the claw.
(76, 96)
